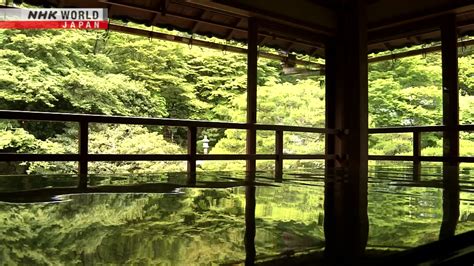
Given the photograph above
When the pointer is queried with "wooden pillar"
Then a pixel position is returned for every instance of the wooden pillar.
(346, 227)
(252, 54)
(416, 155)
(355, 90)
(450, 90)
(330, 120)
(279, 154)
(347, 90)
(192, 150)
(83, 153)
(451, 122)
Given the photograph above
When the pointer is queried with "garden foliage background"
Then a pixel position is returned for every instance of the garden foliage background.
(113, 73)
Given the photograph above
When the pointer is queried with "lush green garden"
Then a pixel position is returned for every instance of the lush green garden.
(113, 73)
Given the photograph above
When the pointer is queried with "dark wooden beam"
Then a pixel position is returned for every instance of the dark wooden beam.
(262, 41)
(401, 31)
(283, 20)
(449, 55)
(231, 31)
(313, 51)
(279, 155)
(192, 151)
(450, 88)
(197, 23)
(413, 40)
(404, 54)
(464, 159)
(331, 99)
(162, 9)
(428, 25)
(347, 94)
(353, 74)
(252, 58)
(346, 228)
(416, 156)
(296, 35)
(429, 14)
(381, 130)
(164, 6)
(107, 119)
(206, 44)
(387, 46)
(306, 38)
(83, 148)
(420, 51)
(331, 4)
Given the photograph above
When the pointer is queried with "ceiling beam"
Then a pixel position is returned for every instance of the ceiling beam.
(421, 51)
(235, 7)
(196, 23)
(231, 31)
(163, 5)
(414, 29)
(331, 4)
(206, 44)
(419, 23)
(459, 7)
(302, 41)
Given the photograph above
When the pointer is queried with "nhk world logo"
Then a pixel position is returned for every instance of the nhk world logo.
(53, 18)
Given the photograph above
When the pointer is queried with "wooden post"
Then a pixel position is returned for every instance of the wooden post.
(416, 155)
(330, 120)
(83, 153)
(450, 90)
(347, 90)
(279, 155)
(451, 122)
(356, 92)
(252, 54)
(192, 150)
(346, 228)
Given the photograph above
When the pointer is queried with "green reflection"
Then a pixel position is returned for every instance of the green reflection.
(203, 225)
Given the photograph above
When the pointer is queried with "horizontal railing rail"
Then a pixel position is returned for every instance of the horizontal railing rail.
(130, 120)
(417, 158)
(414, 129)
(409, 129)
(461, 159)
(83, 157)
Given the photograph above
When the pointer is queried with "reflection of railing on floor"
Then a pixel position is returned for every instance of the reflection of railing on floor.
(83, 157)
(47, 194)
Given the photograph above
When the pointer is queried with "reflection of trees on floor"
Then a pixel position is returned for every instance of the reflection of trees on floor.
(173, 223)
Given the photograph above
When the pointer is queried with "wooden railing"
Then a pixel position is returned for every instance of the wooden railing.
(416, 131)
(417, 158)
(83, 157)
